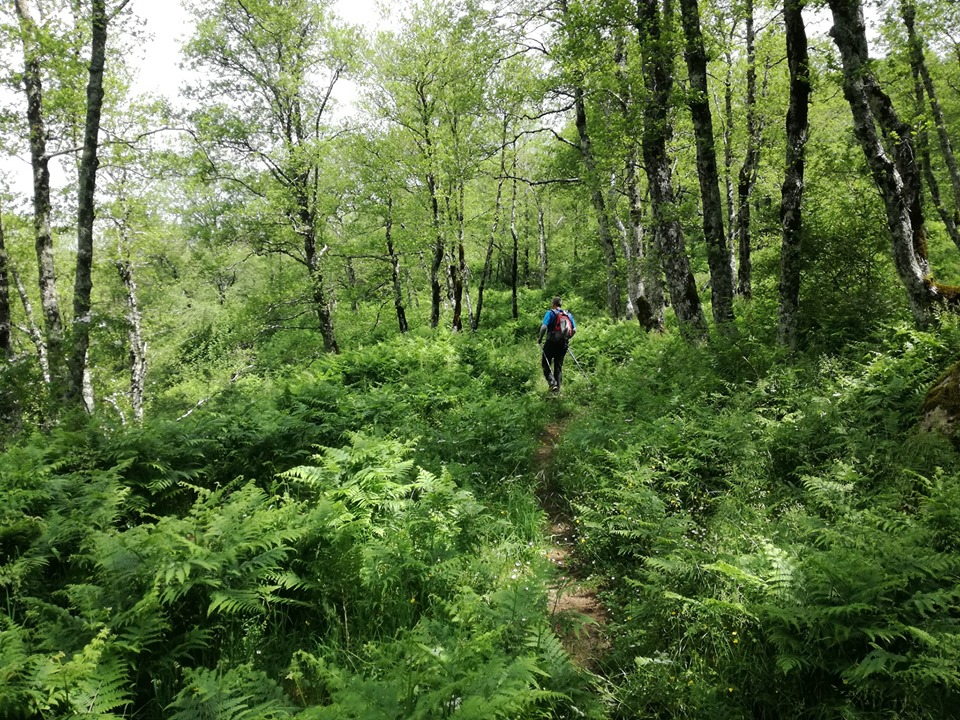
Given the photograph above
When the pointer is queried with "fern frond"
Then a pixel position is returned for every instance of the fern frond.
(237, 694)
(877, 662)
(232, 602)
(788, 663)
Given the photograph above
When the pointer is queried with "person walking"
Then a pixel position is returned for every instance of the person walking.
(558, 326)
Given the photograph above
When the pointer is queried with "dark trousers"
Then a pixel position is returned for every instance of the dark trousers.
(553, 354)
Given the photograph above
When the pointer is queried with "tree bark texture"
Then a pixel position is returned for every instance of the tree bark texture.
(643, 274)
(924, 84)
(32, 330)
(717, 252)
(53, 327)
(629, 255)
(599, 206)
(748, 171)
(543, 263)
(86, 195)
(948, 218)
(514, 262)
(728, 161)
(138, 346)
(395, 270)
(321, 302)
(658, 78)
(644, 271)
(457, 264)
(353, 285)
(870, 107)
(497, 211)
(439, 246)
(6, 338)
(791, 217)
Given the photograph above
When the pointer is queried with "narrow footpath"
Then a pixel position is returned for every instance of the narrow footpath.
(578, 617)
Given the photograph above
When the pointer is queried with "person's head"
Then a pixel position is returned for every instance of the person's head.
(556, 302)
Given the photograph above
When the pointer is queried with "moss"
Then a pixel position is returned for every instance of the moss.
(941, 406)
(947, 294)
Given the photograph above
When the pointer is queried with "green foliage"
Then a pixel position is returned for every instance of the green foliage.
(773, 539)
(240, 693)
(146, 559)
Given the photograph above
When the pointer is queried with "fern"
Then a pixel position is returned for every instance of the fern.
(92, 683)
(239, 693)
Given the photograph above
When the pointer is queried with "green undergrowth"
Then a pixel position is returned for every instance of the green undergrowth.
(356, 537)
(774, 536)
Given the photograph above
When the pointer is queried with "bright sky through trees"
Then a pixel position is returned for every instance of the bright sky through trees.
(167, 27)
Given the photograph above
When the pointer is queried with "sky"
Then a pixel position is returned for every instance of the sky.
(167, 24)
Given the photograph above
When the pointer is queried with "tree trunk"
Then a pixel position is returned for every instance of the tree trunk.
(596, 196)
(513, 234)
(728, 161)
(924, 83)
(542, 257)
(436, 290)
(870, 106)
(352, 283)
(718, 257)
(32, 330)
(599, 206)
(658, 78)
(463, 270)
(465, 277)
(948, 218)
(6, 339)
(629, 254)
(138, 346)
(321, 303)
(395, 271)
(791, 218)
(644, 272)
(748, 171)
(497, 210)
(457, 265)
(86, 193)
(53, 328)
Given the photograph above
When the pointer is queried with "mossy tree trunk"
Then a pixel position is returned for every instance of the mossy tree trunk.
(40, 165)
(653, 29)
(924, 87)
(718, 255)
(898, 179)
(748, 171)
(791, 217)
(6, 340)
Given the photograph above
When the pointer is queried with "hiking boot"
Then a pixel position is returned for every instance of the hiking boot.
(554, 388)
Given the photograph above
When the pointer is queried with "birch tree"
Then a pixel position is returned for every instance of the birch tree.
(654, 24)
(6, 321)
(699, 102)
(100, 18)
(32, 41)
(267, 72)
(57, 47)
(791, 219)
(430, 79)
(926, 93)
(875, 121)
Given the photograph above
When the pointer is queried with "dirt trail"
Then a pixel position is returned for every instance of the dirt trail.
(577, 615)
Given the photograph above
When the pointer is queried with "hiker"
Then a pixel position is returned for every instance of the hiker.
(559, 326)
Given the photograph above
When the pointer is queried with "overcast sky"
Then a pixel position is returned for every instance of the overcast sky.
(167, 25)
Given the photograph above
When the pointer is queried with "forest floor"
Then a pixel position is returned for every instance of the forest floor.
(578, 616)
